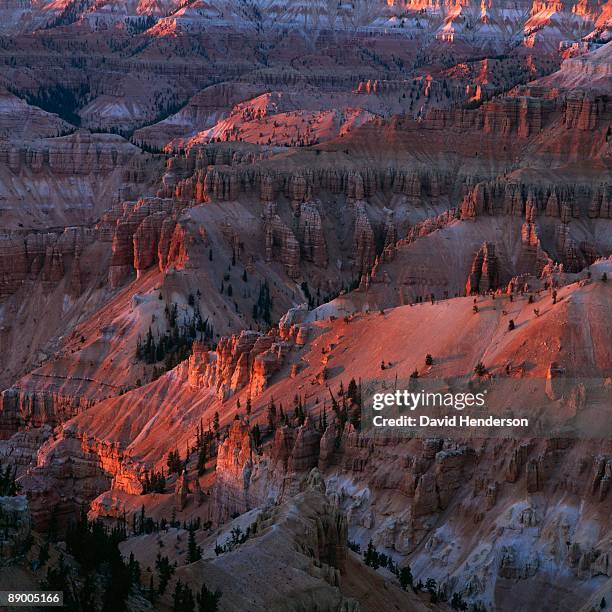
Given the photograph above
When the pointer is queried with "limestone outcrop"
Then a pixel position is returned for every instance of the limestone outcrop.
(485, 273)
(26, 257)
(70, 472)
(247, 360)
(139, 236)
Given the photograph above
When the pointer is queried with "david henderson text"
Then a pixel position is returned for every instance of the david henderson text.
(447, 421)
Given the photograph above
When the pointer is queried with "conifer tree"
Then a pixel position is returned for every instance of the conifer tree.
(194, 552)
(271, 415)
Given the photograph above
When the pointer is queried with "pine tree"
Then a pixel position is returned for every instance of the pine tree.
(405, 577)
(194, 552)
(182, 598)
(207, 600)
(271, 415)
(457, 602)
(323, 419)
(370, 556)
(352, 391)
(256, 435)
(432, 587)
(164, 571)
(134, 569)
(175, 465)
(479, 369)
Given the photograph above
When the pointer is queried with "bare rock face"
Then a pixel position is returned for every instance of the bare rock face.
(181, 491)
(552, 205)
(305, 452)
(532, 257)
(265, 363)
(166, 235)
(363, 239)
(583, 110)
(281, 243)
(217, 185)
(143, 235)
(298, 188)
(245, 360)
(198, 365)
(123, 252)
(26, 257)
(21, 121)
(327, 446)
(245, 479)
(601, 477)
(534, 476)
(198, 494)
(14, 264)
(69, 472)
(178, 250)
(310, 235)
(355, 186)
(520, 115)
(203, 109)
(601, 205)
(20, 407)
(307, 241)
(390, 236)
(515, 169)
(233, 473)
(146, 241)
(80, 153)
(76, 276)
(69, 179)
(517, 461)
(232, 361)
(21, 449)
(485, 273)
(304, 539)
(296, 450)
(571, 256)
(450, 469)
(268, 188)
(501, 197)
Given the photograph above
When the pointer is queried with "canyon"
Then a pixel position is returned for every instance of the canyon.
(225, 225)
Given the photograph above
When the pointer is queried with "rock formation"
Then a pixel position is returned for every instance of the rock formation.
(485, 272)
